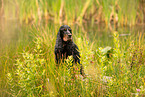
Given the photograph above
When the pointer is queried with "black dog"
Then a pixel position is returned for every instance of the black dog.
(65, 46)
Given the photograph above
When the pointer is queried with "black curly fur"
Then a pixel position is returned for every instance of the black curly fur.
(63, 49)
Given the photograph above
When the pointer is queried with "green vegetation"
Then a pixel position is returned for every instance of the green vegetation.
(111, 71)
(114, 61)
(122, 12)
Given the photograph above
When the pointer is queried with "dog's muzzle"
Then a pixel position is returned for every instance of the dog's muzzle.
(67, 37)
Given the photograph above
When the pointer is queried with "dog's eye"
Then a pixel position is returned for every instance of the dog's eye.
(65, 29)
(69, 29)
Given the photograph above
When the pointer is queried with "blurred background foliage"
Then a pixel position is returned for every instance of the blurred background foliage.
(116, 12)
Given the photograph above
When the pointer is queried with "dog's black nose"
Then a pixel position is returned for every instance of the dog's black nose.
(69, 35)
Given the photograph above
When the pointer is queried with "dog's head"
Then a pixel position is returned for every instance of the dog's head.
(65, 33)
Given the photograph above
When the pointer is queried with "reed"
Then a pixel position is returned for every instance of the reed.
(116, 70)
(78, 11)
(114, 64)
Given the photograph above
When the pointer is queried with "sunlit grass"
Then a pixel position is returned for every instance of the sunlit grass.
(114, 64)
(108, 69)
(76, 11)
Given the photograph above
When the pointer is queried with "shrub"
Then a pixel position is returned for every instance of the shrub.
(27, 80)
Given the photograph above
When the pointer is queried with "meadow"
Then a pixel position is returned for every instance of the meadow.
(112, 49)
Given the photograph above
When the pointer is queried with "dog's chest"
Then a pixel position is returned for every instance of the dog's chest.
(68, 49)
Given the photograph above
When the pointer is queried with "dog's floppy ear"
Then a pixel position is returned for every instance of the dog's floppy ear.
(61, 28)
(61, 31)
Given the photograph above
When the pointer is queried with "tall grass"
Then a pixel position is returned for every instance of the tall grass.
(114, 65)
(111, 71)
(120, 12)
